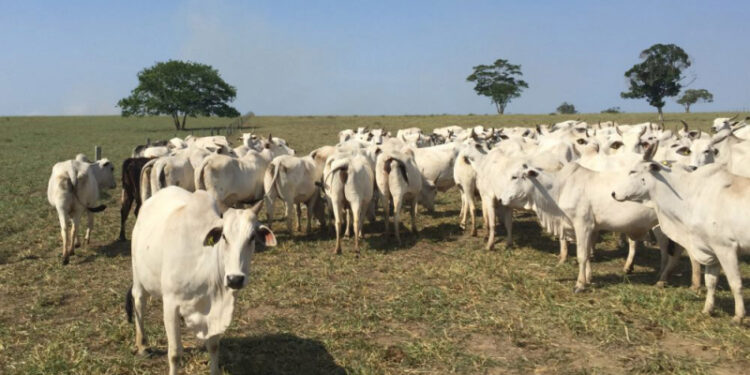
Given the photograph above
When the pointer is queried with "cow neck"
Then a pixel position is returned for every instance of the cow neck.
(547, 187)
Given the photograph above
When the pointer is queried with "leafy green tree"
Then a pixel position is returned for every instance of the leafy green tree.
(566, 109)
(500, 82)
(690, 97)
(180, 89)
(658, 76)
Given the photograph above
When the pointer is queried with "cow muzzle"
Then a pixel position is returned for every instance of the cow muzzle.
(235, 281)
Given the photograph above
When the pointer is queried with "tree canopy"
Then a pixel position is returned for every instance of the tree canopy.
(566, 109)
(658, 76)
(500, 82)
(692, 96)
(180, 89)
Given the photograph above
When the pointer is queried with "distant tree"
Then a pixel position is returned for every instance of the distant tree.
(612, 110)
(499, 82)
(690, 97)
(566, 109)
(180, 89)
(658, 76)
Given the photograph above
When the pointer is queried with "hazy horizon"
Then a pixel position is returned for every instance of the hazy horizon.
(330, 58)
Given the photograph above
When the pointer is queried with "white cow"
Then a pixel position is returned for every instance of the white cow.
(575, 203)
(234, 180)
(349, 184)
(703, 211)
(398, 179)
(73, 189)
(194, 258)
(293, 180)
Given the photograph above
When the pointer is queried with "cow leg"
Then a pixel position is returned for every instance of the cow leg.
(490, 217)
(472, 214)
(563, 250)
(357, 214)
(628, 268)
(139, 304)
(289, 208)
(74, 232)
(347, 230)
(397, 203)
(174, 341)
(728, 260)
(298, 206)
(464, 206)
(127, 202)
(89, 227)
(386, 211)
(695, 279)
(64, 233)
(212, 346)
(337, 224)
(414, 206)
(583, 243)
(712, 276)
(485, 220)
(670, 260)
(507, 213)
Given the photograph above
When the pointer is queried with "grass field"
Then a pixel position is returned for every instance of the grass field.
(439, 304)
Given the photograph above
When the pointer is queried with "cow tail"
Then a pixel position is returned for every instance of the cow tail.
(399, 164)
(670, 247)
(129, 304)
(162, 177)
(276, 174)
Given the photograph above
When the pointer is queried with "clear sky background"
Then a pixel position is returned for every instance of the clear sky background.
(357, 57)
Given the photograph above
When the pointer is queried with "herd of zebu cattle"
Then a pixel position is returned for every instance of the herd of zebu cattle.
(192, 242)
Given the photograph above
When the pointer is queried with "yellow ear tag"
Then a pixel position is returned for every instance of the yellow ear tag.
(666, 163)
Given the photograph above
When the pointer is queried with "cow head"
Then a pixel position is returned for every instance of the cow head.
(428, 193)
(641, 179)
(520, 182)
(235, 240)
(105, 174)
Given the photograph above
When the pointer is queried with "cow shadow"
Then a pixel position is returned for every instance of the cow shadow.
(276, 354)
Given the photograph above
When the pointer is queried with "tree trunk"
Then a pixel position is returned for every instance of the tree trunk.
(176, 121)
(661, 114)
(500, 108)
(184, 118)
(687, 108)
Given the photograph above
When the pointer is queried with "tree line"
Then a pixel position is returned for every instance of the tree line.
(182, 89)
(658, 76)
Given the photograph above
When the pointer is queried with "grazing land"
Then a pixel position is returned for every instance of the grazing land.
(437, 304)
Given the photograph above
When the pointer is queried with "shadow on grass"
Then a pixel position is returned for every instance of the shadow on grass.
(114, 249)
(276, 354)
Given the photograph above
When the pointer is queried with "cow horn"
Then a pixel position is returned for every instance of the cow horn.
(617, 129)
(733, 117)
(643, 131)
(270, 138)
(256, 207)
(684, 126)
(538, 129)
(650, 151)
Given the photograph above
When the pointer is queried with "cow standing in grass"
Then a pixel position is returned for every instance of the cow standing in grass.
(73, 189)
(195, 259)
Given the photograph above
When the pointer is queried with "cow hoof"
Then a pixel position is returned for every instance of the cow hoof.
(707, 311)
(660, 284)
(65, 261)
(121, 239)
(627, 271)
(737, 320)
(578, 289)
(695, 289)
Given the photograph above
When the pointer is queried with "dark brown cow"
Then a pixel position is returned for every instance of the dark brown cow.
(131, 189)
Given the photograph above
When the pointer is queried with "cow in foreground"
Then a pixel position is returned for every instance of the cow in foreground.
(185, 252)
(704, 211)
(73, 189)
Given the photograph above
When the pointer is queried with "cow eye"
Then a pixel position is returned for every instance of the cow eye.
(631, 173)
(514, 178)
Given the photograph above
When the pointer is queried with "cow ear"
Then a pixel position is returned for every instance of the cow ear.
(716, 151)
(213, 237)
(264, 236)
(654, 167)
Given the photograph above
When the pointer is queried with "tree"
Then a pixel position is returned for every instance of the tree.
(690, 97)
(612, 110)
(498, 81)
(658, 76)
(180, 89)
(566, 109)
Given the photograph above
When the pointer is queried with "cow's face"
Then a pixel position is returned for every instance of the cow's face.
(105, 174)
(639, 182)
(519, 185)
(235, 241)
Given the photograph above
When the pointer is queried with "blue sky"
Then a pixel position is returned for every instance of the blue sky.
(369, 58)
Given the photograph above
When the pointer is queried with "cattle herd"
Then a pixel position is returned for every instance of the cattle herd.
(193, 239)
